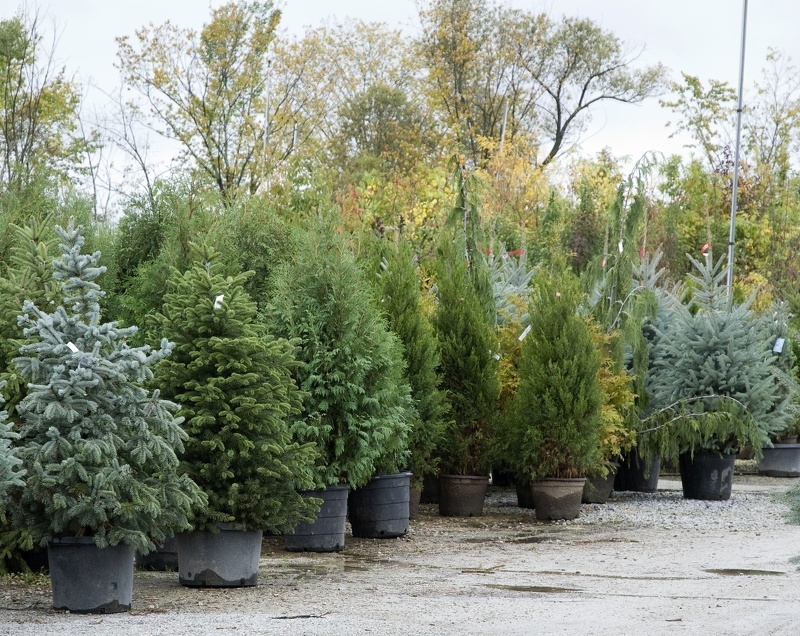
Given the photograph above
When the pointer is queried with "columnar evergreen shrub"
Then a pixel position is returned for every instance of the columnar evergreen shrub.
(356, 404)
(234, 383)
(469, 368)
(401, 299)
(98, 448)
(559, 402)
(718, 376)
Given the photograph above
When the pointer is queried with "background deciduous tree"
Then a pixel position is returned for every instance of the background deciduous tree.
(39, 107)
(208, 91)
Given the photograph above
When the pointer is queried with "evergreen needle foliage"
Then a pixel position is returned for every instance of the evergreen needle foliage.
(357, 405)
(28, 276)
(11, 472)
(560, 399)
(234, 383)
(469, 368)
(715, 381)
(401, 298)
(98, 448)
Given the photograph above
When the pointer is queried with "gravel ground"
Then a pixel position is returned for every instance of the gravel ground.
(642, 563)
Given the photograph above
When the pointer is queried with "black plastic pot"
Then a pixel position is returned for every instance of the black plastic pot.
(707, 475)
(380, 510)
(637, 475)
(555, 499)
(326, 532)
(462, 495)
(90, 580)
(163, 559)
(598, 489)
(430, 489)
(524, 495)
(228, 558)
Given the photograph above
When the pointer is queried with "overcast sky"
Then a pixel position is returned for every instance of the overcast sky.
(698, 37)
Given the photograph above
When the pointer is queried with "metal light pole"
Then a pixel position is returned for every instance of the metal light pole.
(732, 234)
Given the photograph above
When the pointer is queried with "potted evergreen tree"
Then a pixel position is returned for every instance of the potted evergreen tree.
(464, 322)
(234, 384)
(400, 296)
(556, 436)
(718, 380)
(616, 436)
(356, 405)
(99, 449)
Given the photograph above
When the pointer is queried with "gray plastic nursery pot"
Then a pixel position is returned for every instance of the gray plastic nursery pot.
(462, 495)
(782, 460)
(228, 558)
(90, 580)
(555, 499)
(380, 509)
(326, 532)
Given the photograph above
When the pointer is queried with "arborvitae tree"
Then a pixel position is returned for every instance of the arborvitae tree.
(10, 471)
(234, 383)
(560, 398)
(717, 378)
(469, 367)
(98, 448)
(400, 297)
(356, 408)
(257, 239)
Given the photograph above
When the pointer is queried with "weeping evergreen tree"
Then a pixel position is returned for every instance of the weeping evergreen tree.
(718, 376)
(98, 448)
(234, 383)
(623, 295)
(401, 299)
(357, 404)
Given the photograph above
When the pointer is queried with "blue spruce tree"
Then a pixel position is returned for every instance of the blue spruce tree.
(718, 376)
(10, 472)
(98, 448)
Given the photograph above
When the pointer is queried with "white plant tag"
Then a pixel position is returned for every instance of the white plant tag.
(218, 301)
(72, 347)
(778, 348)
(524, 333)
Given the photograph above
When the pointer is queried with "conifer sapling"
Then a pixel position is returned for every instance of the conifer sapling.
(98, 448)
(234, 383)
(357, 404)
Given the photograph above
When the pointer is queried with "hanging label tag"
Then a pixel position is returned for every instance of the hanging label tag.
(524, 333)
(778, 348)
(218, 301)
(72, 347)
